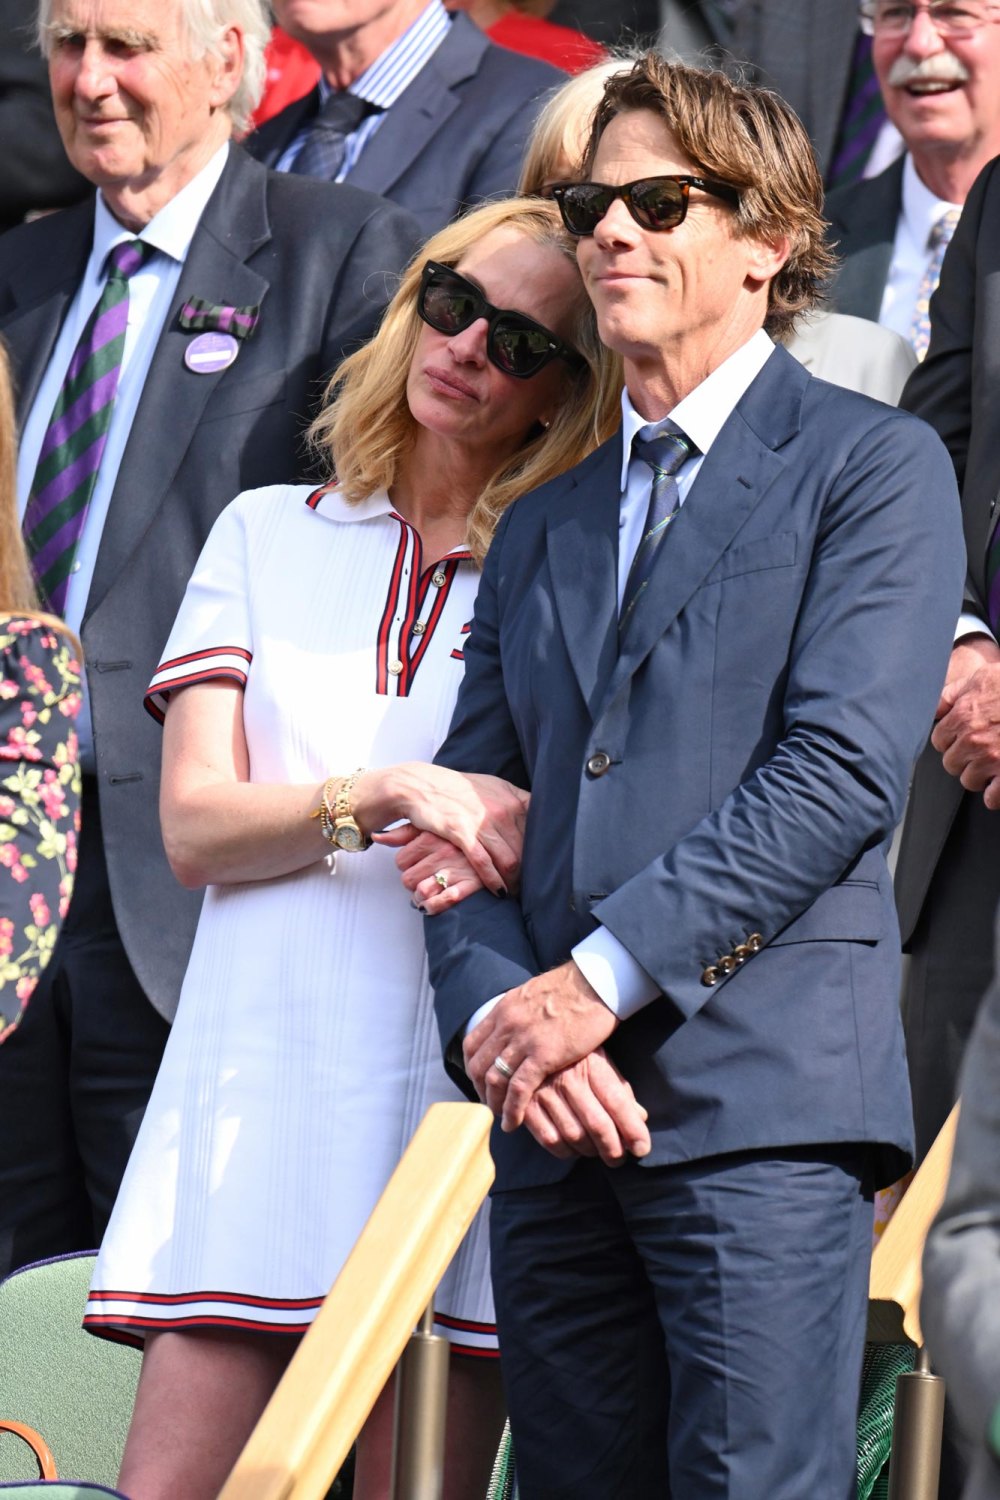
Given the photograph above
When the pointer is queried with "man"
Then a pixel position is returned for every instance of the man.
(245, 291)
(959, 1304)
(412, 103)
(948, 878)
(939, 71)
(715, 710)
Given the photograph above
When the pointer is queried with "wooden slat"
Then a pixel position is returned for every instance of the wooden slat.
(895, 1271)
(355, 1342)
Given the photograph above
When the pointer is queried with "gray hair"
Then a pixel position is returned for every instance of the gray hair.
(205, 20)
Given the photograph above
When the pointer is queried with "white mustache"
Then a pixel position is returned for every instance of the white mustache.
(943, 67)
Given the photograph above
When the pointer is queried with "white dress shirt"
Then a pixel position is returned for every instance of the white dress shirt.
(151, 295)
(919, 213)
(381, 84)
(620, 980)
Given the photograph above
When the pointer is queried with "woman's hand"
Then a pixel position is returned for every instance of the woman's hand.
(422, 857)
(483, 817)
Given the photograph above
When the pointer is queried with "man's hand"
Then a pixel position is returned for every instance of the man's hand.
(589, 1110)
(967, 732)
(543, 1026)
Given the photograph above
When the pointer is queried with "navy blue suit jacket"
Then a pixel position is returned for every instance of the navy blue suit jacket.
(761, 723)
(453, 138)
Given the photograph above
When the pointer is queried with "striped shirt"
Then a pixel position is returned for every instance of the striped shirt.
(381, 84)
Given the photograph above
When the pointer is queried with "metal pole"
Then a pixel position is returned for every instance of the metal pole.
(915, 1460)
(421, 1405)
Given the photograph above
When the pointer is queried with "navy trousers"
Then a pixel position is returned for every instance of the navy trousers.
(688, 1332)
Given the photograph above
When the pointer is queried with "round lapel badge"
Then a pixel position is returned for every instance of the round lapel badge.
(211, 352)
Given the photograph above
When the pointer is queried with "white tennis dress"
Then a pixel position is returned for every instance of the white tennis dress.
(304, 1052)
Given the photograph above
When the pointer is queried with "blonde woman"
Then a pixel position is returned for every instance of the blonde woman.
(39, 774)
(322, 632)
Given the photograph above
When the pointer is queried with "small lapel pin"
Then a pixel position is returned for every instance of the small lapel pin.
(211, 352)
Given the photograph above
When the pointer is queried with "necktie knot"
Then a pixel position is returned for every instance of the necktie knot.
(941, 232)
(324, 150)
(128, 257)
(664, 453)
(342, 112)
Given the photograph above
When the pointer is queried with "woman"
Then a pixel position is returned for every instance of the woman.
(39, 774)
(321, 632)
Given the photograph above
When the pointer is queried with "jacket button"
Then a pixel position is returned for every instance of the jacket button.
(726, 964)
(710, 976)
(598, 763)
(755, 942)
(741, 953)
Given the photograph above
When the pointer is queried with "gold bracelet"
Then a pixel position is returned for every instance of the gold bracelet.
(325, 810)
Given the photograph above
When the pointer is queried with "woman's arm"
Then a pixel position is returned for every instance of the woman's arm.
(219, 828)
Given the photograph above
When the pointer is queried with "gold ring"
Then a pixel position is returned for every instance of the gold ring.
(441, 878)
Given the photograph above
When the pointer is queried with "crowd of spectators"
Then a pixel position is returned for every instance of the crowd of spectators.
(298, 254)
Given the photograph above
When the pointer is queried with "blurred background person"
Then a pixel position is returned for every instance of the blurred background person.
(521, 26)
(324, 630)
(938, 66)
(169, 338)
(412, 103)
(36, 174)
(290, 72)
(39, 770)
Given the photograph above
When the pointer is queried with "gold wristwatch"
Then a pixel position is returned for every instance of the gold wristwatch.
(345, 833)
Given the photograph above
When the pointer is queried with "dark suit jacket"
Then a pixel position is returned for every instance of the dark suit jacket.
(955, 390)
(803, 49)
(310, 255)
(453, 138)
(863, 218)
(760, 747)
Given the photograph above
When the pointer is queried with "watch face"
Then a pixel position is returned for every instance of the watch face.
(348, 836)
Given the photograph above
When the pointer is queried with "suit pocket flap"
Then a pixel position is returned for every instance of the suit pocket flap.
(776, 551)
(250, 393)
(850, 912)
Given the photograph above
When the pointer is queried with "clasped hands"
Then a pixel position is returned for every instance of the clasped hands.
(967, 727)
(549, 1033)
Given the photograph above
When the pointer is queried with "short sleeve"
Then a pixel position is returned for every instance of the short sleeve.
(39, 802)
(212, 636)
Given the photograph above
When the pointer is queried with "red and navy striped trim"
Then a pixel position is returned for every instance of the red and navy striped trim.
(163, 690)
(415, 610)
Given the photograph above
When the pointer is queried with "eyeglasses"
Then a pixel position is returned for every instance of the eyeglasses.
(653, 202)
(515, 343)
(951, 18)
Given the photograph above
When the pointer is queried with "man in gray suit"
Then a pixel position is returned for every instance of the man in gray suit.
(940, 78)
(960, 1305)
(412, 103)
(237, 293)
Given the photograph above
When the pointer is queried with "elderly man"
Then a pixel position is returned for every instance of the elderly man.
(412, 103)
(939, 70)
(717, 730)
(168, 339)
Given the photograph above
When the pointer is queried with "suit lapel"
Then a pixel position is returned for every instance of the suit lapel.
(42, 291)
(582, 545)
(735, 475)
(864, 216)
(271, 140)
(421, 110)
(233, 226)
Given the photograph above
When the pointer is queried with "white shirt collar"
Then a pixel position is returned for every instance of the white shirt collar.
(173, 228)
(921, 208)
(704, 411)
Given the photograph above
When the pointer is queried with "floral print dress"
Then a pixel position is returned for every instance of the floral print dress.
(39, 802)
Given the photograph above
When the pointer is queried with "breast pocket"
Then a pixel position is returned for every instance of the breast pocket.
(763, 553)
(234, 396)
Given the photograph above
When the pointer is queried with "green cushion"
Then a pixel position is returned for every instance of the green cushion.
(74, 1389)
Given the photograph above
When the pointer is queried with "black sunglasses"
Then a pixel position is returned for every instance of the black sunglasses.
(653, 202)
(515, 343)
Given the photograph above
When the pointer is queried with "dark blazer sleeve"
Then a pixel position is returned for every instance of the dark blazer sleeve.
(481, 947)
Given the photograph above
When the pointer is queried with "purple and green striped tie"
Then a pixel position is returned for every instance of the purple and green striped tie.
(74, 441)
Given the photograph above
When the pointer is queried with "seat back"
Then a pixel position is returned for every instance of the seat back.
(74, 1389)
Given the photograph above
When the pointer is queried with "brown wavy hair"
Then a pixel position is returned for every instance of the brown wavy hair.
(365, 427)
(748, 137)
(18, 595)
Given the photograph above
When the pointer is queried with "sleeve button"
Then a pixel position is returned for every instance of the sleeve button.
(710, 976)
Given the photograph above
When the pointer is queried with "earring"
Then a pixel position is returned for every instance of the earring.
(546, 424)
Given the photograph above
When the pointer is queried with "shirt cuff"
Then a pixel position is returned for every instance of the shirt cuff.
(482, 1013)
(619, 979)
(970, 624)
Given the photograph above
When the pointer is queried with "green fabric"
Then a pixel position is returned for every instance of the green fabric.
(503, 1485)
(74, 1389)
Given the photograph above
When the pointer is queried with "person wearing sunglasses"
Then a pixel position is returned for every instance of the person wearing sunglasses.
(711, 653)
(323, 632)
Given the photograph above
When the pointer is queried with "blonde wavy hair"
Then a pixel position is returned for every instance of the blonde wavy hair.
(365, 427)
(18, 595)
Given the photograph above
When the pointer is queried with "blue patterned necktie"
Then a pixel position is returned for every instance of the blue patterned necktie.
(937, 243)
(664, 454)
(325, 147)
